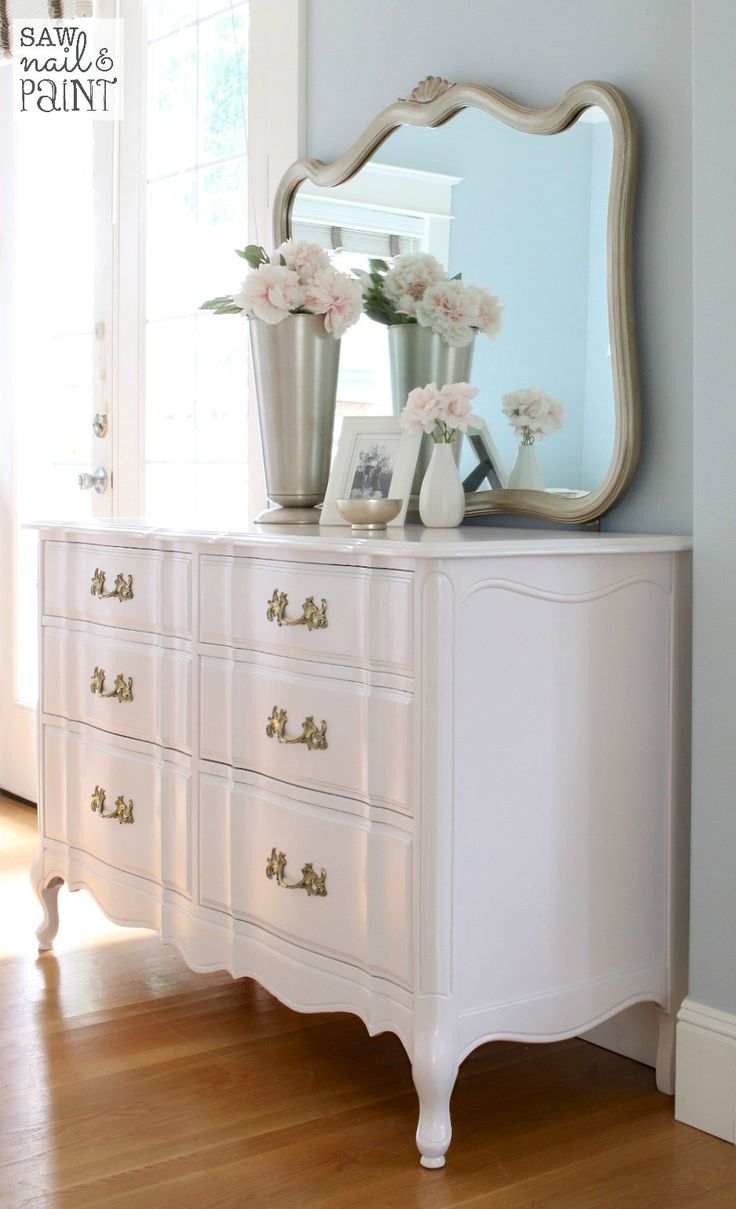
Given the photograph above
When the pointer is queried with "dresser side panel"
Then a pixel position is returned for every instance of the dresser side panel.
(562, 805)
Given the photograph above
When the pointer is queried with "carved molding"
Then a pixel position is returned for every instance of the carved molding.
(428, 89)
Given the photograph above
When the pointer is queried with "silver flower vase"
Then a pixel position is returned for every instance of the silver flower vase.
(295, 367)
(417, 355)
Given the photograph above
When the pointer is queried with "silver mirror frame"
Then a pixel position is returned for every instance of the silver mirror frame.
(432, 103)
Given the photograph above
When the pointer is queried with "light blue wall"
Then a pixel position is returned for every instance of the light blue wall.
(521, 227)
(713, 923)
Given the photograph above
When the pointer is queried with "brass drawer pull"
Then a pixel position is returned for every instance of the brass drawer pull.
(312, 882)
(123, 689)
(313, 736)
(123, 589)
(314, 617)
(123, 811)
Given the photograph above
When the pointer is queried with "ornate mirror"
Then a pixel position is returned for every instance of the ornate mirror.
(545, 224)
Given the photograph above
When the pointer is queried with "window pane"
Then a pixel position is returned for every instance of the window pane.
(196, 376)
(172, 104)
(222, 368)
(223, 84)
(171, 237)
(170, 370)
(164, 16)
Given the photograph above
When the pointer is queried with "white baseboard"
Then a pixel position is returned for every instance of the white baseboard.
(705, 1094)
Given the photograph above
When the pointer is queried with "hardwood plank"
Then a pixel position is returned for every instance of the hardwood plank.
(129, 1082)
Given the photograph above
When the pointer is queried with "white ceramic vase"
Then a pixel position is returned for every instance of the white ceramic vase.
(441, 499)
(525, 474)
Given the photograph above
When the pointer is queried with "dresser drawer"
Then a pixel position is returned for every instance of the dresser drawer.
(155, 843)
(130, 589)
(346, 615)
(271, 722)
(360, 911)
(127, 688)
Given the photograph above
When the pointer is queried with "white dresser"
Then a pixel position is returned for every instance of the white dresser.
(438, 779)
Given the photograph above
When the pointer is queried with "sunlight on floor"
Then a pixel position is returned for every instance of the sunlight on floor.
(82, 923)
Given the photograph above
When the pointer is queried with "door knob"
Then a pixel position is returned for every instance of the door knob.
(98, 480)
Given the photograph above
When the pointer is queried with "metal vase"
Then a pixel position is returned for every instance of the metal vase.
(417, 356)
(295, 366)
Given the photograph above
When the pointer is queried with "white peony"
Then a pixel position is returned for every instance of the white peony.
(270, 293)
(407, 281)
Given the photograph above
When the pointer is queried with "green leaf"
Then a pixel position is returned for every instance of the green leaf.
(282, 261)
(213, 303)
(254, 254)
(457, 277)
(378, 266)
(221, 306)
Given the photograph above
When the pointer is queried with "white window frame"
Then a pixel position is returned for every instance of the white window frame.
(276, 96)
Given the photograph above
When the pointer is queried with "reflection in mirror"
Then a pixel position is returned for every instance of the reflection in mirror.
(524, 215)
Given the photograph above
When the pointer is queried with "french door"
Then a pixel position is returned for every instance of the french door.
(119, 234)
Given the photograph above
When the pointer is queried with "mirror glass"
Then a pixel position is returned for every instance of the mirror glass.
(524, 215)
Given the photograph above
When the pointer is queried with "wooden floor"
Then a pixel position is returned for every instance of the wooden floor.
(130, 1083)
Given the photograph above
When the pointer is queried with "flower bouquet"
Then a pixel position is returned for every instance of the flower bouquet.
(441, 412)
(299, 306)
(416, 289)
(534, 415)
(297, 279)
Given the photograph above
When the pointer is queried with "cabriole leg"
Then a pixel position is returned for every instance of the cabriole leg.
(434, 1075)
(48, 897)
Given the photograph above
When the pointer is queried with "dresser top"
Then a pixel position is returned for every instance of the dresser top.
(412, 541)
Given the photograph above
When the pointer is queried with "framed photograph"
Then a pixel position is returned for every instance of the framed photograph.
(490, 463)
(374, 460)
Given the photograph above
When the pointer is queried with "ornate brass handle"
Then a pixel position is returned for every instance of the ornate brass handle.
(123, 589)
(123, 689)
(312, 882)
(314, 617)
(313, 736)
(123, 811)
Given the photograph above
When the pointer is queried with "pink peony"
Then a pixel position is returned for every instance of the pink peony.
(455, 406)
(336, 296)
(304, 257)
(532, 410)
(488, 310)
(407, 281)
(422, 409)
(270, 293)
(448, 309)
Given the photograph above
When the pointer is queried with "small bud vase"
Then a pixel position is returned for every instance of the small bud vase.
(525, 474)
(442, 499)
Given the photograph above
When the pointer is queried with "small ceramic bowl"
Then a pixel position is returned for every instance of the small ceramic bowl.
(369, 514)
